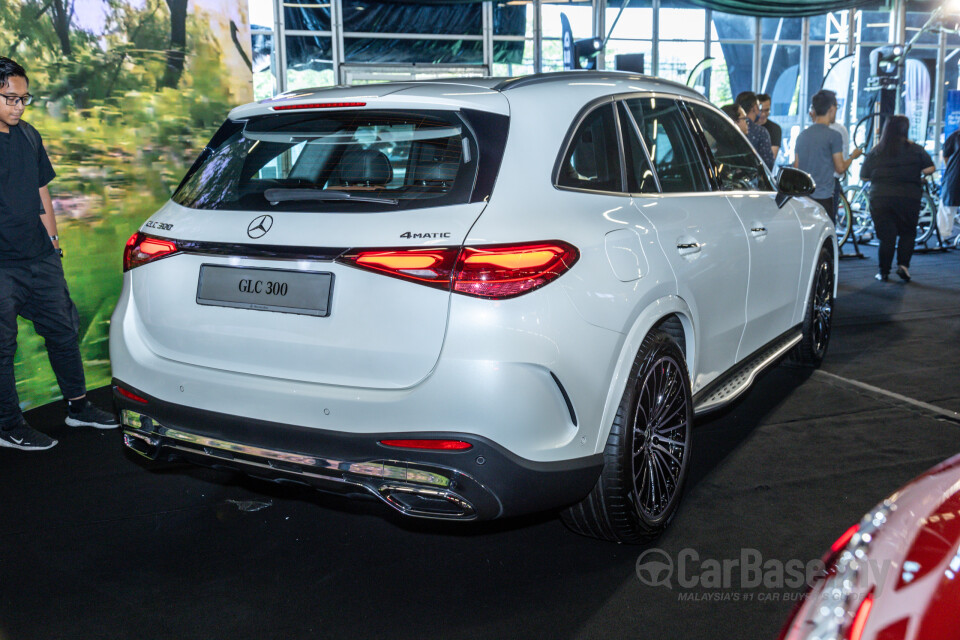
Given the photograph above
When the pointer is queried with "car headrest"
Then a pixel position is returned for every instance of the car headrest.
(435, 174)
(365, 167)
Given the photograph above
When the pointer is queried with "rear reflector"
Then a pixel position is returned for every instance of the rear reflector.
(129, 395)
(142, 249)
(491, 271)
(319, 105)
(435, 445)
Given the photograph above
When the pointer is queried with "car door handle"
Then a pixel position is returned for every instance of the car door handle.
(687, 248)
(758, 231)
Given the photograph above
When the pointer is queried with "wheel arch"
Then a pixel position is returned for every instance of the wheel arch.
(673, 315)
(827, 241)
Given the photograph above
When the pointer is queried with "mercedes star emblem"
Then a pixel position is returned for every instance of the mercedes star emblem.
(259, 227)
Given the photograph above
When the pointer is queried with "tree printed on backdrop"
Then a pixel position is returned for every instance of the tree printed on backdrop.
(127, 94)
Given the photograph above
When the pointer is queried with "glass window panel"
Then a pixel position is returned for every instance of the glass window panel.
(727, 26)
(636, 21)
(388, 50)
(677, 59)
(738, 167)
(669, 141)
(264, 71)
(627, 47)
(780, 79)
(580, 15)
(507, 63)
(593, 159)
(309, 62)
(682, 24)
(513, 18)
(731, 72)
(781, 28)
(639, 172)
(261, 14)
(306, 15)
(830, 27)
(388, 17)
(874, 26)
(916, 20)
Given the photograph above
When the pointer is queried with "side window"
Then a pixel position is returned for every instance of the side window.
(670, 143)
(639, 172)
(737, 166)
(593, 158)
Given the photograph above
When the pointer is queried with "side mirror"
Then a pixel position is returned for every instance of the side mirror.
(793, 182)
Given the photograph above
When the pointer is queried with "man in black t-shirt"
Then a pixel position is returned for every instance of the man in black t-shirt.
(776, 133)
(31, 276)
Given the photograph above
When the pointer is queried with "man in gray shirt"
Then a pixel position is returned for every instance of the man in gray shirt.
(819, 151)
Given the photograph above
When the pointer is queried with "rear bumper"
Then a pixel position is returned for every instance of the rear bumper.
(481, 483)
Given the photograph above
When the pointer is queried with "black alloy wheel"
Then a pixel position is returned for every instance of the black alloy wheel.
(818, 317)
(660, 437)
(647, 453)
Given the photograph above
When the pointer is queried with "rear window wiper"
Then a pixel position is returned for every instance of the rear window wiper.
(274, 196)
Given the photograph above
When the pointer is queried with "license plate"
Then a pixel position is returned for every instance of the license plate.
(282, 290)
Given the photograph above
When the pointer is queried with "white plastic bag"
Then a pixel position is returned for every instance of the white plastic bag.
(945, 216)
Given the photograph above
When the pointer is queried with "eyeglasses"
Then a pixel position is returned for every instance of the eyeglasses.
(13, 100)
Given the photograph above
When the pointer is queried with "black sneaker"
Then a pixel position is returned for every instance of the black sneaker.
(25, 437)
(91, 416)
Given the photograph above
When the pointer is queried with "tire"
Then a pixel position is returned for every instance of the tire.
(818, 318)
(651, 432)
(927, 219)
(844, 220)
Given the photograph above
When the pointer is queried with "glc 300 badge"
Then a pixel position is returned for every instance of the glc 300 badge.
(259, 227)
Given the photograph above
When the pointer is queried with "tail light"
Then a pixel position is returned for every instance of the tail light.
(432, 445)
(490, 271)
(142, 249)
(130, 395)
(860, 618)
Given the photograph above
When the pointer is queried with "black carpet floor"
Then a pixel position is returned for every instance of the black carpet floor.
(94, 545)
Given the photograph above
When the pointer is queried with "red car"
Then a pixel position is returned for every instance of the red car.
(896, 574)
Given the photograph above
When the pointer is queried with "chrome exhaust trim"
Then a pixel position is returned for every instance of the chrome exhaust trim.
(413, 490)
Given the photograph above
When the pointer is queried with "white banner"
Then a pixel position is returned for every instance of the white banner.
(917, 99)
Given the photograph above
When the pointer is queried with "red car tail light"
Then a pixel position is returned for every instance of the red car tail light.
(431, 267)
(505, 271)
(433, 445)
(319, 105)
(130, 395)
(491, 271)
(142, 249)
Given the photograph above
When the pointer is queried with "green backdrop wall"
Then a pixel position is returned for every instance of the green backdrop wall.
(128, 93)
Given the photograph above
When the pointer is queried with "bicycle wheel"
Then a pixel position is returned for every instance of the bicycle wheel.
(861, 222)
(844, 220)
(927, 219)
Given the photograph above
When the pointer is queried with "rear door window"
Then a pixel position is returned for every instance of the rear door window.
(362, 160)
(671, 144)
(592, 159)
(737, 166)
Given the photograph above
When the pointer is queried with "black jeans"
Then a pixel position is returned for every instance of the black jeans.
(895, 219)
(38, 292)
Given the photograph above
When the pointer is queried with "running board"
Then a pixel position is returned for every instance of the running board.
(731, 386)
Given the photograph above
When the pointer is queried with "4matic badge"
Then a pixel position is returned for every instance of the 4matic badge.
(411, 235)
(259, 226)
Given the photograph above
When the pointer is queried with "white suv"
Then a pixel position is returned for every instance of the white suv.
(469, 298)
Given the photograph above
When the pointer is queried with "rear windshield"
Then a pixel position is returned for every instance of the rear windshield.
(345, 160)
